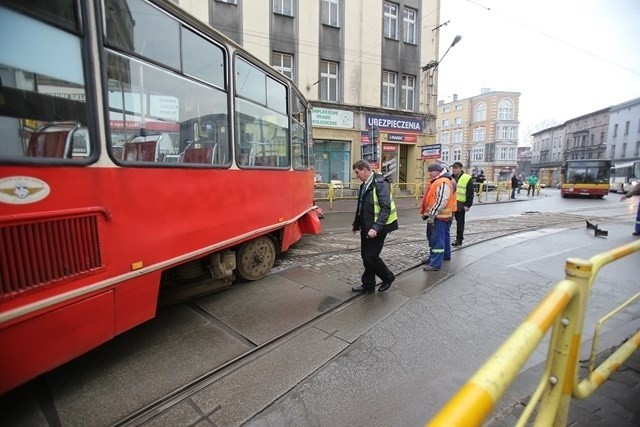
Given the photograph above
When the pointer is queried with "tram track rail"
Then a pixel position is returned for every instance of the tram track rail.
(164, 403)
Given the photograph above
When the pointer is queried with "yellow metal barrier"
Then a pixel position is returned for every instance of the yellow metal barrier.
(564, 309)
(406, 190)
(331, 191)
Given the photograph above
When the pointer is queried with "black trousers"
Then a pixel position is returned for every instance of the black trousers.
(373, 265)
(459, 216)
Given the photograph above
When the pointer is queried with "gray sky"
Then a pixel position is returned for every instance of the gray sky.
(566, 57)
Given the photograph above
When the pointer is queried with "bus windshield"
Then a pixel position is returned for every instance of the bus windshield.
(587, 172)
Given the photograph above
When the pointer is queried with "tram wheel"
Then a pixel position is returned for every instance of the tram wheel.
(255, 258)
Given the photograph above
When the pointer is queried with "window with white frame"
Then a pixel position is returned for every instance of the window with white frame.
(502, 153)
(505, 110)
(481, 112)
(457, 136)
(457, 154)
(391, 21)
(478, 134)
(328, 81)
(407, 95)
(513, 132)
(445, 155)
(330, 15)
(409, 25)
(478, 154)
(445, 109)
(458, 107)
(283, 63)
(445, 122)
(389, 84)
(445, 139)
(511, 153)
(283, 7)
(457, 121)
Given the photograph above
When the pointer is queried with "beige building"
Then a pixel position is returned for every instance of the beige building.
(481, 132)
(360, 64)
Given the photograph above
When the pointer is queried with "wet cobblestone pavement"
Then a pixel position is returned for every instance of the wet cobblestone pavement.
(337, 255)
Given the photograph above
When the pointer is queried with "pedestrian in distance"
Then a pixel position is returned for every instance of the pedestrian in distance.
(437, 208)
(533, 183)
(634, 192)
(520, 182)
(514, 185)
(464, 199)
(376, 216)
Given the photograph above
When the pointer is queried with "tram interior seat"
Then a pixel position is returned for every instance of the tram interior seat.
(142, 148)
(52, 140)
(199, 152)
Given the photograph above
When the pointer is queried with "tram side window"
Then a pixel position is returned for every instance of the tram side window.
(299, 147)
(43, 109)
(157, 116)
(137, 27)
(262, 125)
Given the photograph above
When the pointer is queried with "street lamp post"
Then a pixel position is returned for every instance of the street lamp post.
(430, 68)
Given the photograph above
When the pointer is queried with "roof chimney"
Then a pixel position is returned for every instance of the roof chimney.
(485, 90)
(455, 97)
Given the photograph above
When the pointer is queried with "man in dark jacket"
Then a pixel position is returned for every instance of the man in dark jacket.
(514, 185)
(376, 216)
(464, 196)
(634, 192)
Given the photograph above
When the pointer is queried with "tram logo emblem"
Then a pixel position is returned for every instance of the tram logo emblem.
(20, 190)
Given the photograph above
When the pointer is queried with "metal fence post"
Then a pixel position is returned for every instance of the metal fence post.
(565, 348)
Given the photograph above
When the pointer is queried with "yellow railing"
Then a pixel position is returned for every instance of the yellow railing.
(563, 310)
(332, 191)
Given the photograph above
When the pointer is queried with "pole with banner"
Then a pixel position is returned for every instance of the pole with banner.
(374, 136)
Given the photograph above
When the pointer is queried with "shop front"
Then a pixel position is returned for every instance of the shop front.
(333, 137)
(392, 149)
(394, 153)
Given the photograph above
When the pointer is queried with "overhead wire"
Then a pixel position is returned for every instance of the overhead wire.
(552, 37)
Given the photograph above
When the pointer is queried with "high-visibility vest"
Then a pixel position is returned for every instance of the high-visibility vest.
(447, 211)
(393, 213)
(461, 191)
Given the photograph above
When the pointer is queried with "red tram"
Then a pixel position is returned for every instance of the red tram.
(144, 159)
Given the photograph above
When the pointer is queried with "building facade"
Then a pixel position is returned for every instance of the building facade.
(481, 132)
(548, 154)
(624, 131)
(610, 133)
(359, 63)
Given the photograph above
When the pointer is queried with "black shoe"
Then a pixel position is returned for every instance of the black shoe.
(430, 268)
(636, 233)
(386, 285)
(457, 243)
(364, 289)
(425, 261)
